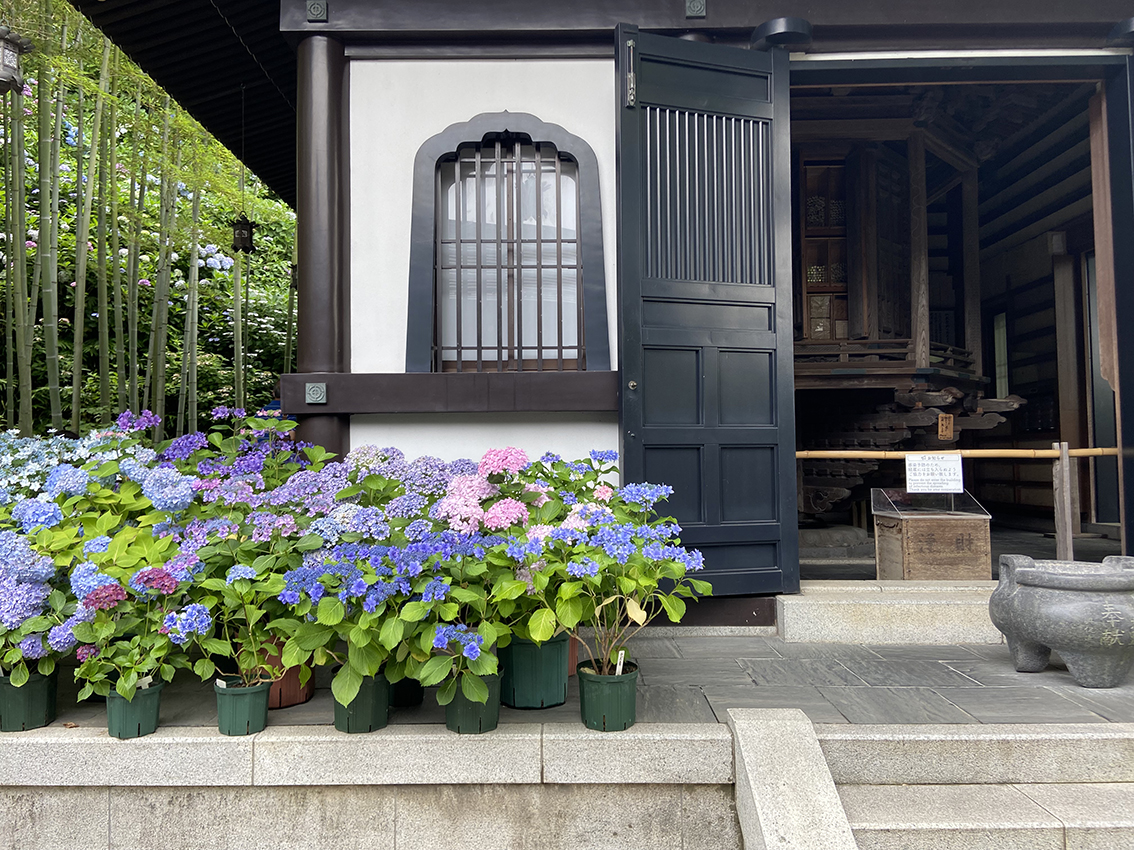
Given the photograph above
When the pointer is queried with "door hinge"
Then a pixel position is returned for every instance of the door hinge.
(631, 77)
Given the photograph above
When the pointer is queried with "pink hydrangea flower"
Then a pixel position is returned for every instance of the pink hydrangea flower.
(543, 491)
(603, 493)
(504, 513)
(575, 519)
(538, 532)
(461, 503)
(510, 459)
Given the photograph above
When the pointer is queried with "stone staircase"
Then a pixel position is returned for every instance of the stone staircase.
(1003, 787)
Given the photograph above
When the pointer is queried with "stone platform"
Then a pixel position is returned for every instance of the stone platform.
(740, 734)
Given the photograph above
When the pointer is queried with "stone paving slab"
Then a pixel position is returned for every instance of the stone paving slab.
(894, 705)
(1019, 705)
(807, 699)
(685, 678)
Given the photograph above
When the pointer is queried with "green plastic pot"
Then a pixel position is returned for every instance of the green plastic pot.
(241, 711)
(369, 710)
(136, 717)
(608, 703)
(406, 693)
(534, 676)
(30, 706)
(466, 717)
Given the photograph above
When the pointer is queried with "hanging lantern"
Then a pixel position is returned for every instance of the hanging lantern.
(11, 46)
(242, 234)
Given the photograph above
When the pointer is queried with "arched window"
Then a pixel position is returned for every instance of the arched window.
(511, 278)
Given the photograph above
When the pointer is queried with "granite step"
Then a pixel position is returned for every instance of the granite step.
(888, 612)
(972, 754)
(1084, 816)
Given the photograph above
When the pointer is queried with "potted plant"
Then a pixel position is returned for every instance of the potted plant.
(248, 627)
(128, 654)
(611, 566)
(344, 604)
(35, 631)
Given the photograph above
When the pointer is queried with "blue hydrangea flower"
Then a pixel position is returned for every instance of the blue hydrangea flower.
(86, 578)
(96, 544)
(193, 620)
(23, 564)
(36, 513)
(67, 479)
(435, 591)
(645, 495)
(409, 505)
(239, 571)
(169, 490)
(586, 567)
(604, 456)
(20, 601)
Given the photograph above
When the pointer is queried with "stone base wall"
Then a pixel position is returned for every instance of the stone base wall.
(371, 817)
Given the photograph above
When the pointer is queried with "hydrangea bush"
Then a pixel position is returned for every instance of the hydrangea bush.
(261, 554)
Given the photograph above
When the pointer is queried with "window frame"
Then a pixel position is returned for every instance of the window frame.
(421, 321)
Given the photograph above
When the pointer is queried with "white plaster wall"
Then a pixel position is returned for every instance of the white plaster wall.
(450, 436)
(397, 105)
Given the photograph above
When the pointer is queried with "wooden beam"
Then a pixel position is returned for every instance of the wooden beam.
(943, 190)
(1104, 238)
(970, 249)
(949, 152)
(1070, 370)
(919, 251)
(879, 129)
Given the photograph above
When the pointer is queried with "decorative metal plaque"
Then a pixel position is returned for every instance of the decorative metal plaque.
(695, 8)
(316, 12)
(315, 393)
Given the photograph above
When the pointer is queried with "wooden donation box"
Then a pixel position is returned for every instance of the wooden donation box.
(930, 536)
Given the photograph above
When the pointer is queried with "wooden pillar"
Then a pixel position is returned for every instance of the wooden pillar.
(1069, 370)
(970, 249)
(321, 215)
(919, 252)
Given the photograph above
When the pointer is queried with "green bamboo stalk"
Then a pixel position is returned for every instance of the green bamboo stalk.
(163, 234)
(49, 226)
(81, 237)
(115, 245)
(137, 166)
(187, 398)
(103, 295)
(9, 272)
(19, 249)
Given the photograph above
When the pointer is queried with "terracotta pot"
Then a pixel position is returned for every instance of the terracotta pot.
(287, 691)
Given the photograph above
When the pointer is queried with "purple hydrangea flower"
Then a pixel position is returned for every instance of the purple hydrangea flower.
(128, 422)
(184, 446)
(33, 647)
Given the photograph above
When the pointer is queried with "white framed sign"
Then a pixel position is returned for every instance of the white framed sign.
(936, 473)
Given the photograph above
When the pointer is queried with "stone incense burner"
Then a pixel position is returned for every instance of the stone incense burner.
(1083, 610)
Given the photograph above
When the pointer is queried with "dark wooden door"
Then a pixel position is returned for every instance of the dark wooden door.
(704, 194)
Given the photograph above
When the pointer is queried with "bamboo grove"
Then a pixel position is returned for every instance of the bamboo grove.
(120, 288)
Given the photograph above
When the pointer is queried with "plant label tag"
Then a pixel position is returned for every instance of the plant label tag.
(621, 659)
(221, 683)
(145, 682)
